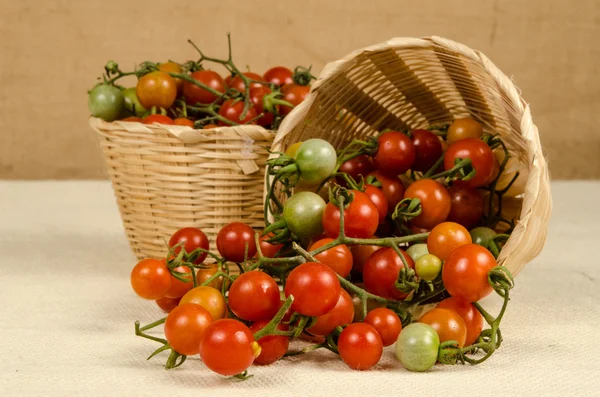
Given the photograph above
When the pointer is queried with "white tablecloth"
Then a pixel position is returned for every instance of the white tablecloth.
(67, 313)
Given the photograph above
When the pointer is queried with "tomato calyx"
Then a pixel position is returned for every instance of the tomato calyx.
(302, 75)
(407, 209)
(462, 170)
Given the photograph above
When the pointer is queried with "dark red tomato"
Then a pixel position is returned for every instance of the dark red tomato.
(428, 149)
(445, 238)
(178, 287)
(465, 272)
(279, 75)
(392, 189)
(228, 80)
(395, 153)
(482, 159)
(232, 110)
(378, 198)
(269, 250)
(357, 167)
(185, 326)
(157, 119)
(238, 84)
(257, 95)
(360, 217)
(360, 346)
(272, 347)
(385, 228)
(132, 119)
(194, 94)
(150, 278)
(233, 239)
(435, 202)
(254, 296)
(471, 316)
(387, 323)
(381, 272)
(466, 206)
(167, 304)
(342, 314)
(192, 239)
(360, 254)
(183, 121)
(338, 258)
(228, 347)
(294, 94)
(418, 230)
(315, 287)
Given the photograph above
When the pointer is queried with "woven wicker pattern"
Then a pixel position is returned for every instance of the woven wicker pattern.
(167, 177)
(413, 83)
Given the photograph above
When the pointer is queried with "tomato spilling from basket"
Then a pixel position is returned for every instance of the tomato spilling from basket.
(355, 241)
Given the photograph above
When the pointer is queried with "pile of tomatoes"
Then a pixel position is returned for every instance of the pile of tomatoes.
(363, 238)
(189, 95)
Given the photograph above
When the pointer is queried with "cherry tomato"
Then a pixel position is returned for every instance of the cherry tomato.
(339, 258)
(204, 274)
(428, 267)
(381, 272)
(151, 279)
(417, 250)
(132, 103)
(435, 202)
(428, 149)
(465, 272)
(466, 206)
(395, 153)
(357, 167)
(448, 325)
(192, 238)
(269, 250)
(360, 346)
(238, 83)
(233, 239)
(157, 119)
(464, 128)
(156, 89)
(303, 214)
(185, 326)
(470, 315)
(228, 347)
(315, 288)
(316, 159)
(392, 189)
(342, 314)
(210, 126)
(387, 323)
(232, 110)
(172, 67)
(132, 119)
(378, 198)
(445, 238)
(106, 102)
(482, 236)
(417, 347)
(293, 149)
(272, 347)
(209, 298)
(360, 254)
(179, 288)
(294, 94)
(257, 95)
(167, 304)
(482, 160)
(183, 121)
(254, 296)
(360, 217)
(194, 94)
(279, 75)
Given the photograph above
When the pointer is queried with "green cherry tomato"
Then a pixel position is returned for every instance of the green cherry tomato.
(316, 160)
(482, 236)
(106, 102)
(417, 347)
(132, 103)
(416, 251)
(428, 267)
(303, 213)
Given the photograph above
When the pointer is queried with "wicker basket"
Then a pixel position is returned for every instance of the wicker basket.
(167, 177)
(408, 83)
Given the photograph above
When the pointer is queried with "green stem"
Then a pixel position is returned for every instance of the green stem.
(463, 163)
(434, 167)
(271, 327)
(152, 325)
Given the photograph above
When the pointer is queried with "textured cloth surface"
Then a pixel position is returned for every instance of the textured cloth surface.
(67, 313)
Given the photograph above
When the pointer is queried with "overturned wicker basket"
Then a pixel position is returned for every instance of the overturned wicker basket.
(166, 177)
(408, 83)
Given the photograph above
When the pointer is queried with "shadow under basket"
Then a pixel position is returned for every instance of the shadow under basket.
(166, 177)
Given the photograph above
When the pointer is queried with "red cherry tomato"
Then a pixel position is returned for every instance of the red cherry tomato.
(342, 314)
(482, 159)
(183, 121)
(228, 347)
(254, 296)
(194, 94)
(269, 250)
(387, 323)
(395, 153)
(294, 94)
(472, 318)
(448, 325)
(315, 288)
(272, 347)
(156, 89)
(392, 189)
(435, 202)
(232, 110)
(210, 126)
(278, 75)
(360, 217)
(360, 346)
(238, 84)
(132, 119)
(338, 258)
(192, 239)
(157, 119)
(179, 288)
(465, 272)
(445, 238)
(428, 149)
(167, 304)
(151, 279)
(381, 272)
(357, 167)
(466, 205)
(378, 198)
(233, 239)
(185, 326)
(257, 95)
(360, 254)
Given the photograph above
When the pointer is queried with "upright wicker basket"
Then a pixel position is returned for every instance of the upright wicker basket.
(167, 177)
(408, 83)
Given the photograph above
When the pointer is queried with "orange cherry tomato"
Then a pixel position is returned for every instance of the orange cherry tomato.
(178, 287)
(471, 316)
(339, 258)
(448, 325)
(157, 119)
(183, 121)
(208, 297)
(435, 202)
(151, 279)
(342, 314)
(172, 67)
(464, 128)
(156, 89)
(465, 272)
(445, 238)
